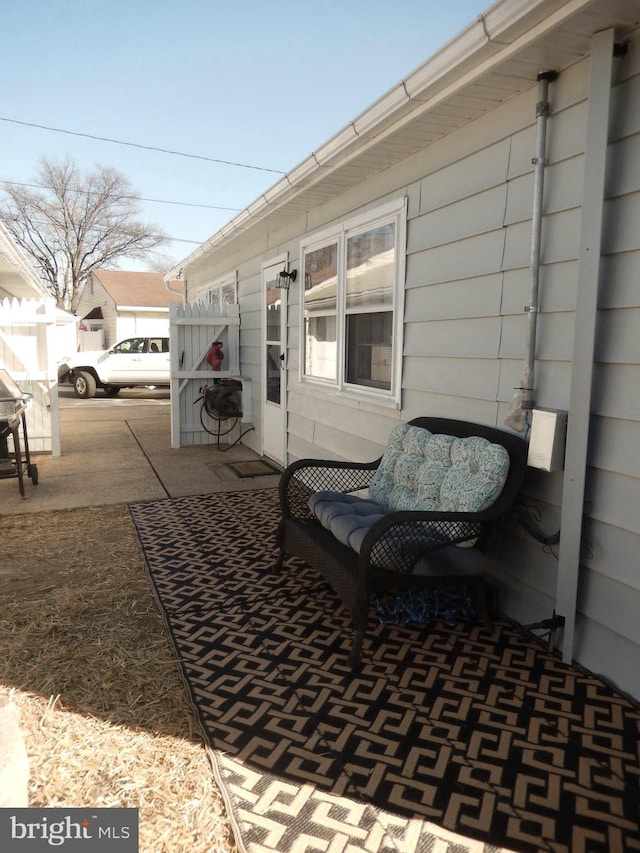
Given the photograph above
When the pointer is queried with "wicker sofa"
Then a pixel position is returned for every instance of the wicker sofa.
(411, 518)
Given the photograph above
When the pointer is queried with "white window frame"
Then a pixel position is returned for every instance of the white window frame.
(395, 211)
(218, 284)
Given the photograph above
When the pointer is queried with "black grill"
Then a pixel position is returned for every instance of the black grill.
(13, 406)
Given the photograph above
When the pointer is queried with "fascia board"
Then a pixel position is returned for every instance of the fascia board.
(142, 308)
(17, 260)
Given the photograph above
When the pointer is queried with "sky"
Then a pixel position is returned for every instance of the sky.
(262, 83)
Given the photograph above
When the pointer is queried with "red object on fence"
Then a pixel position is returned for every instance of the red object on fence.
(215, 356)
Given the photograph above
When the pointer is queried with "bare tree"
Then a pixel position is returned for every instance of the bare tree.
(161, 263)
(75, 223)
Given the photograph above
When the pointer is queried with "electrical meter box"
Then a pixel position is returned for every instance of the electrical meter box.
(547, 439)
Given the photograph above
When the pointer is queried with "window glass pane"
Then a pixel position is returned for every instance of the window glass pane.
(320, 350)
(371, 267)
(228, 294)
(211, 298)
(217, 296)
(320, 276)
(368, 356)
(131, 345)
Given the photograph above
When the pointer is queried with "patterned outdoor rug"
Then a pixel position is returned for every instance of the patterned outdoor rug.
(449, 739)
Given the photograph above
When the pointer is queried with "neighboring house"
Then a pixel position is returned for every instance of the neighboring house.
(413, 234)
(116, 305)
(32, 333)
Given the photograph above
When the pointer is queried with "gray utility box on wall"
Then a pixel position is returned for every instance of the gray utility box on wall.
(547, 439)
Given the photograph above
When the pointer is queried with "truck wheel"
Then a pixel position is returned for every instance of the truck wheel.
(111, 390)
(84, 385)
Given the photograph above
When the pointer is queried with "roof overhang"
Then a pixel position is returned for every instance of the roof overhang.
(494, 59)
(139, 309)
(17, 276)
(94, 314)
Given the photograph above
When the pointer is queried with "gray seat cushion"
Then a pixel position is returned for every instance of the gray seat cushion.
(348, 517)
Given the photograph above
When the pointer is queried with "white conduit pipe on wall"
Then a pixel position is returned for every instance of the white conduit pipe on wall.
(517, 417)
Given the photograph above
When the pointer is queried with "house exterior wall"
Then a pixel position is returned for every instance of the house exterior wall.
(95, 296)
(120, 324)
(130, 323)
(467, 282)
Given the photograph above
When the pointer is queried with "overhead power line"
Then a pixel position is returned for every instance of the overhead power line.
(138, 145)
(132, 197)
(190, 204)
(41, 221)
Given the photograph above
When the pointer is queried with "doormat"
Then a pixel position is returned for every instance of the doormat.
(450, 738)
(253, 468)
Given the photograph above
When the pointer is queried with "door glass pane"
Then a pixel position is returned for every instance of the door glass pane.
(371, 267)
(369, 343)
(273, 342)
(274, 372)
(274, 302)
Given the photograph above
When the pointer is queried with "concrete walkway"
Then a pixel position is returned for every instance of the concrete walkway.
(119, 451)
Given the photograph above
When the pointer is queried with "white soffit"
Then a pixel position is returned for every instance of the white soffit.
(16, 273)
(491, 61)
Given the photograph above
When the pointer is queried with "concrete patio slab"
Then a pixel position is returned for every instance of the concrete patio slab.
(119, 451)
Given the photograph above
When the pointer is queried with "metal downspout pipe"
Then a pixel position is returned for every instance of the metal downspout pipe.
(540, 162)
(517, 417)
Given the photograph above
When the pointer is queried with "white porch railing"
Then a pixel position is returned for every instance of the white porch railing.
(27, 352)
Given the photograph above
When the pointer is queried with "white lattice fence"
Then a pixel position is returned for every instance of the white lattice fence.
(192, 330)
(27, 352)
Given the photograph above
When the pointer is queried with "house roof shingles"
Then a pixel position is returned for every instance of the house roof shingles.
(139, 289)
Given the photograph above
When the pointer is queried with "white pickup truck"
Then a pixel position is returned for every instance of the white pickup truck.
(132, 363)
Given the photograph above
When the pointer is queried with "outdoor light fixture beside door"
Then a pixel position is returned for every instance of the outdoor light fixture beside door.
(286, 278)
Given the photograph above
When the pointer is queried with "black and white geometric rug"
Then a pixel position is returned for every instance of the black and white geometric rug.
(450, 739)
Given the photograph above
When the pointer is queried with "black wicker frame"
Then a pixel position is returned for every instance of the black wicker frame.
(394, 544)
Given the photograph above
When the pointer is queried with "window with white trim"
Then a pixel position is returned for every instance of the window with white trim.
(353, 277)
(219, 293)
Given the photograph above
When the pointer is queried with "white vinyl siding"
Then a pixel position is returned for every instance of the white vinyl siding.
(467, 279)
(95, 296)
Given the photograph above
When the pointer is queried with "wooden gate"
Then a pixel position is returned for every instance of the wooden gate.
(192, 330)
(27, 352)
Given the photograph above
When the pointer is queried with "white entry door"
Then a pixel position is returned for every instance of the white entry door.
(274, 373)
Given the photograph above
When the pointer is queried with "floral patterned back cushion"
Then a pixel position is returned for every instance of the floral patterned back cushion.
(421, 470)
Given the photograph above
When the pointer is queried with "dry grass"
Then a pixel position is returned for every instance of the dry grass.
(103, 710)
